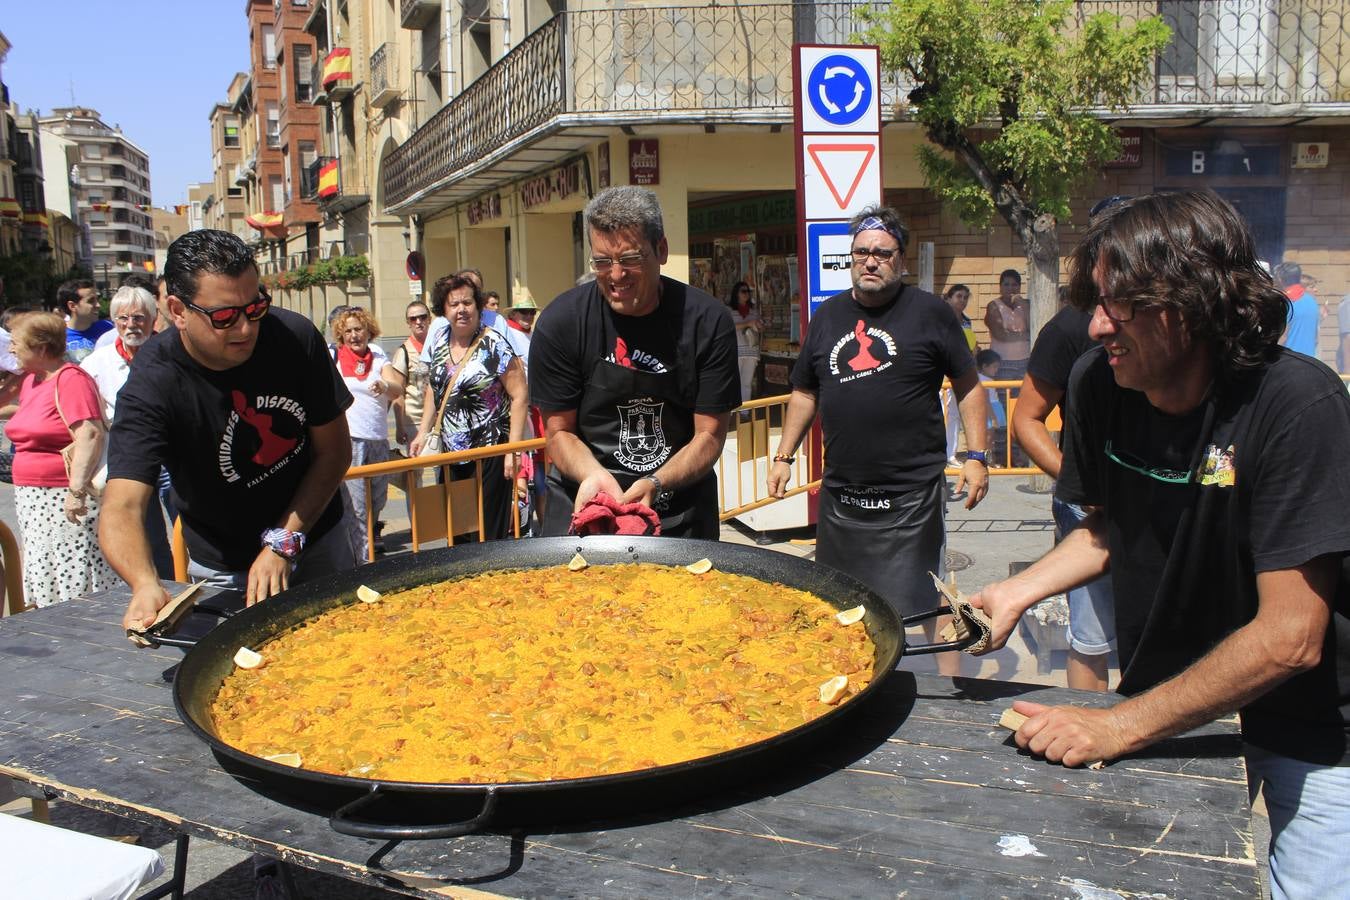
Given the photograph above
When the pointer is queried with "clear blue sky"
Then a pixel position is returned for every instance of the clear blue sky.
(152, 66)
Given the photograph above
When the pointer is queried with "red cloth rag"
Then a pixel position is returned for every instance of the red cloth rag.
(602, 514)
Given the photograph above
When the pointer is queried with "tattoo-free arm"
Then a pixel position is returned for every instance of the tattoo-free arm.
(121, 535)
(574, 459)
(690, 463)
(972, 401)
(801, 412)
(1034, 404)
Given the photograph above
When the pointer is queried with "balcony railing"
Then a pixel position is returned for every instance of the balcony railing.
(383, 76)
(418, 13)
(730, 63)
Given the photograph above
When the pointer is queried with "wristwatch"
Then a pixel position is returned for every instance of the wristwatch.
(288, 544)
(656, 481)
(978, 456)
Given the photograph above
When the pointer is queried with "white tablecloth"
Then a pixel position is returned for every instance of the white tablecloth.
(42, 861)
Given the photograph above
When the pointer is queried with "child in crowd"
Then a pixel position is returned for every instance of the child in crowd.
(987, 362)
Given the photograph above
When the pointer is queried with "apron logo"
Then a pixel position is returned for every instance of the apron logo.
(642, 441)
(875, 352)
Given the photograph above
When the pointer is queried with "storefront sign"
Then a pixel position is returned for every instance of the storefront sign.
(644, 161)
(555, 184)
(1311, 156)
(602, 158)
(744, 215)
(1131, 144)
(488, 206)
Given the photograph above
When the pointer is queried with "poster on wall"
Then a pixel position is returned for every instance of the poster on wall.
(748, 270)
(794, 300)
(701, 275)
(726, 267)
(771, 279)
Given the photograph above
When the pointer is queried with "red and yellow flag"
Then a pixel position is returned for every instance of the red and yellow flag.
(337, 67)
(328, 179)
(9, 208)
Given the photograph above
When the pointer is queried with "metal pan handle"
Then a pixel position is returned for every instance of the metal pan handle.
(152, 639)
(342, 822)
(939, 647)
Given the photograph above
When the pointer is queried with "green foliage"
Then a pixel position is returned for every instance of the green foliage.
(32, 279)
(325, 271)
(1006, 87)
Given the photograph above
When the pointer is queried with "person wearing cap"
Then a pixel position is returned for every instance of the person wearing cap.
(872, 363)
(522, 312)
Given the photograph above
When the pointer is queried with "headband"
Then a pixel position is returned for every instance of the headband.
(873, 223)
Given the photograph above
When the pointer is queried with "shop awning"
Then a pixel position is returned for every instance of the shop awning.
(337, 68)
(265, 220)
(328, 180)
(10, 207)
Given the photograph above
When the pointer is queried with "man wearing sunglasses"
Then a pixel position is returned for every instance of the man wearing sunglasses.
(243, 405)
(1211, 458)
(873, 363)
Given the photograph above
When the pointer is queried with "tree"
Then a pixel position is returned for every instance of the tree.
(1003, 90)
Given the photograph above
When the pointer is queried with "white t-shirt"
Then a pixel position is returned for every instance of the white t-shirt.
(109, 371)
(8, 361)
(107, 339)
(368, 416)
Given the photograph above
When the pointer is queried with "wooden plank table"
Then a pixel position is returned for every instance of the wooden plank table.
(923, 795)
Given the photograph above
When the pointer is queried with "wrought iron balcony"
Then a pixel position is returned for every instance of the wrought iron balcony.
(733, 63)
(384, 88)
(419, 13)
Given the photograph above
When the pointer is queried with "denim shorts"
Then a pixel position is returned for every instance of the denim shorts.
(1092, 617)
(1309, 807)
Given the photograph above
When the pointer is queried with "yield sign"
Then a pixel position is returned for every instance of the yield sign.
(841, 175)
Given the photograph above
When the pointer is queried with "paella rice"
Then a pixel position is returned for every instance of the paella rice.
(544, 674)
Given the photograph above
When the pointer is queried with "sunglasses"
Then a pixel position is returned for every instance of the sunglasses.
(1135, 464)
(413, 320)
(222, 317)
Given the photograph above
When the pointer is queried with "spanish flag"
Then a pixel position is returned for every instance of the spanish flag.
(35, 218)
(265, 220)
(337, 67)
(9, 208)
(328, 179)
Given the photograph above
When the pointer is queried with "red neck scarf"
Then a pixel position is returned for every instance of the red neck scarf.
(1295, 291)
(353, 366)
(122, 350)
(416, 344)
(744, 310)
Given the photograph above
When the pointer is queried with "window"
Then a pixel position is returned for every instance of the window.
(304, 72)
(92, 173)
(234, 192)
(273, 125)
(91, 151)
(276, 192)
(269, 47)
(231, 131)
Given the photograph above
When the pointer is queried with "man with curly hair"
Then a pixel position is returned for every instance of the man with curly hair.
(1189, 437)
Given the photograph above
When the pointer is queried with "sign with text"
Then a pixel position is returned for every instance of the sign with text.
(829, 267)
(1131, 144)
(555, 184)
(644, 161)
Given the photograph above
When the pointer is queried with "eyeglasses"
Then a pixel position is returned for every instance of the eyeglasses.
(745, 290)
(222, 317)
(415, 320)
(860, 254)
(629, 262)
(127, 320)
(1102, 206)
(1157, 473)
(1121, 311)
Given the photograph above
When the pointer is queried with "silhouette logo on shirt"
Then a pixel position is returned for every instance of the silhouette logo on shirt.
(862, 352)
(638, 360)
(642, 440)
(274, 435)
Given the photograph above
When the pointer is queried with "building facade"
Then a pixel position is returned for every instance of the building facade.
(225, 207)
(108, 187)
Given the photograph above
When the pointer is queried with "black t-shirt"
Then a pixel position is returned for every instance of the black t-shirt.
(1063, 339)
(1270, 494)
(236, 443)
(578, 329)
(876, 372)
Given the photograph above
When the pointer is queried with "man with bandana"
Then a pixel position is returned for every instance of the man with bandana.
(872, 363)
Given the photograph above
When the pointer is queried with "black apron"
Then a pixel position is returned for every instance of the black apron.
(888, 540)
(633, 421)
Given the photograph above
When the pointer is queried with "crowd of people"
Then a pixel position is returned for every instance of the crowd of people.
(1194, 540)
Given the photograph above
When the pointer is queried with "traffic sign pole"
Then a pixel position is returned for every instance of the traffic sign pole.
(836, 118)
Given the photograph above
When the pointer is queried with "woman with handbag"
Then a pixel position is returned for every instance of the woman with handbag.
(478, 398)
(60, 439)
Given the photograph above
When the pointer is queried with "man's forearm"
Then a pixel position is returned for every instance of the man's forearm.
(573, 458)
(1078, 559)
(311, 497)
(801, 412)
(1035, 439)
(121, 532)
(974, 409)
(692, 461)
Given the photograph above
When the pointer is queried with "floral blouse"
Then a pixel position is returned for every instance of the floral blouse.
(478, 413)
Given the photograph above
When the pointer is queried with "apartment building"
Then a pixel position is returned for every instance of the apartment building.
(108, 189)
(10, 212)
(224, 208)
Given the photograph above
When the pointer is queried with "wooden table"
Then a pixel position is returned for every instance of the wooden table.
(923, 796)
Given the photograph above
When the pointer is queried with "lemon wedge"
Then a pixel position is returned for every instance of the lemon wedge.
(832, 691)
(285, 759)
(367, 595)
(701, 567)
(577, 564)
(849, 616)
(245, 658)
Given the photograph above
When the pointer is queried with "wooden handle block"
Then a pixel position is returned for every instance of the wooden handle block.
(1011, 719)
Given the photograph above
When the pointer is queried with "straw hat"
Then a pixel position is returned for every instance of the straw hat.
(521, 298)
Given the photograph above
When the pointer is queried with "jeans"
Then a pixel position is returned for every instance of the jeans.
(1092, 616)
(1309, 807)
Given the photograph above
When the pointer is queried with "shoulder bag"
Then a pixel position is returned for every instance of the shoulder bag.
(434, 444)
(100, 477)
